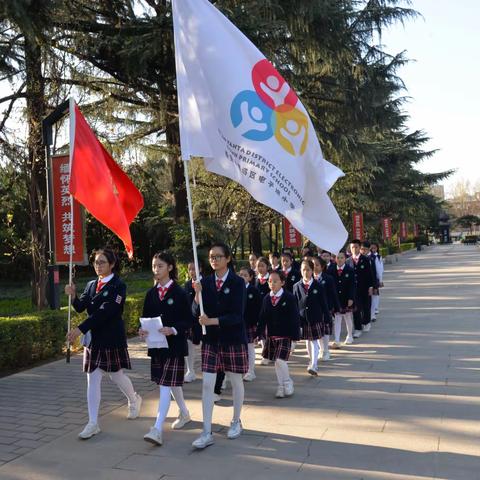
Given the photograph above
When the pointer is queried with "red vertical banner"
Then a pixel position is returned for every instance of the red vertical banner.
(291, 236)
(387, 228)
(403, 230)
(416, 230)
(61, 215)
(357, 225)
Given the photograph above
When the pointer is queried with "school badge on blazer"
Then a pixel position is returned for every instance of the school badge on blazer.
(226, 291)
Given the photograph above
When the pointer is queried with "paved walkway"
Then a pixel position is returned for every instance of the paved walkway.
(402, 403)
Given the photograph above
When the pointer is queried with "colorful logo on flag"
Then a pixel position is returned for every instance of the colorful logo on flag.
(270, 111)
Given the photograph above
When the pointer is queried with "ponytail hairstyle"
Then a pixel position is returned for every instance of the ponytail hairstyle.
(111, 257)
(169, 259)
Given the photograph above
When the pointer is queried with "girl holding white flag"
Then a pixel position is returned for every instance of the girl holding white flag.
(224, 346)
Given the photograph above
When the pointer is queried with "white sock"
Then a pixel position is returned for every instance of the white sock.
(177, 394)
(375, 305)
(208, 385)
(238, 393)
(325, 339)
(251, 358)
(281, 369)
(338, 327)
(190, 359)
(124, 383)
(349, 324)
(163, 406)
(94, 394)
(314, 348)
(320, 346)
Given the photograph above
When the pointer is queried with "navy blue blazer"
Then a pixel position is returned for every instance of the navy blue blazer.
(363, 275)
(313, 305)
(373, 266)
(262, 288)
(331, 292)
(196, 327)
(344, 285)
(293, 277)
(175, 311)
(281, 320)
(104, 309)
(252, 307)
(228, 305)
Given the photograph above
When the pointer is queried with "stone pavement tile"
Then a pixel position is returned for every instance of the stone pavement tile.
(400, 441)
(7, 457)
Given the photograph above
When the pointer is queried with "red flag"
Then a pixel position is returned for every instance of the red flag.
(98, 183)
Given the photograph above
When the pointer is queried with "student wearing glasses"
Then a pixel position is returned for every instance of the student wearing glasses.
(105, 340)
(224, 346)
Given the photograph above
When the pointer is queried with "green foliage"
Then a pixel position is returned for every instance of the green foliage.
(406, 246)
(29, 338)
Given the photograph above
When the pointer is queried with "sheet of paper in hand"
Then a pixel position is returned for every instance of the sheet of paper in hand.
(154, 339)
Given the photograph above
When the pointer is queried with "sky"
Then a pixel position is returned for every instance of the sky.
(443, 82)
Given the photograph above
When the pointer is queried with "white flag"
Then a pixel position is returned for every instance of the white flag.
(239, 113)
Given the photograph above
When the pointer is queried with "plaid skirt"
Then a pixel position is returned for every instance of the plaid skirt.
(165, 369)
(277, 348)
(107, 359)
(313, 331)
(251, 334)
(224, 358)
(328, 326)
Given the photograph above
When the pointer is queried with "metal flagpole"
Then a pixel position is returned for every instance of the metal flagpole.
(194, 241)
(70, 263)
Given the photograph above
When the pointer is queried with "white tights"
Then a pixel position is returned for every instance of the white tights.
(251, 358)
(208, 386)
(190, 359)
(164, 403)
(375, 305)
(323, 344)
(313, 349)
(94, 390)
(281, 369)
(339, 317)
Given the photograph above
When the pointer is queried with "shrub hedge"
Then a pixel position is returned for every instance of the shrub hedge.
(26, 339)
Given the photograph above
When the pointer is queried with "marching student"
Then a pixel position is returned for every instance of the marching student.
(312, 305)
(326, 280)
(252, 310)
(374, 252)
(166, 299)
(344, 278)
(364, 283)
(252, 260)
(328, 257)
(224, 346)
(261, 283)
(280, 319)
(292, 276)
(365, 250)
(105, 340)
(274, 259)
(194, 334)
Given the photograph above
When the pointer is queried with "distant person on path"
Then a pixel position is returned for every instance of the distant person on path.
(105, 340)
(379, 269)
(168, 300)
(364, 283)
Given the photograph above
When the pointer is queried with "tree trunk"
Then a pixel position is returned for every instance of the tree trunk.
(35, 88)
(255, 235)
(177, 173)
